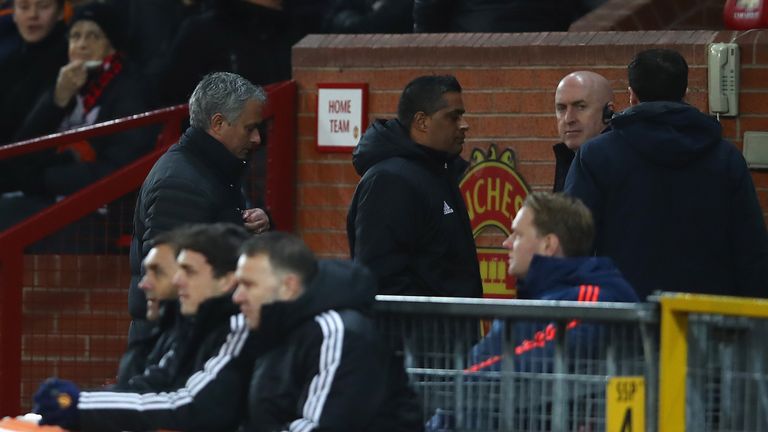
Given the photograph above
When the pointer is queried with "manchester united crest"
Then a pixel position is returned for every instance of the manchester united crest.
(493, 192)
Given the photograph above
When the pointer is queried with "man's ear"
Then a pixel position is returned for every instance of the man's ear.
(552, 246)
(421, 121)
(291, 288)
(633, 100)
(227, 283)
(217, 123)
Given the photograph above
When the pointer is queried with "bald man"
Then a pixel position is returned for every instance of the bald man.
(580, 100)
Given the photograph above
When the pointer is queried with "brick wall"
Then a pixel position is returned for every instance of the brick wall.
(75, 322)
(629, 15)
(509, 82)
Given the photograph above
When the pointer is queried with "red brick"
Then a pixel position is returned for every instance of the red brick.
(327, 244)
(101, 346)
(332, 172)
(760, 178)
(323, 219)
(91, 373)
(308, 152)
(542, 174)
(54, 300)
(523, 126)
(94, 324)
(112, 302)
(753, 78)
(53, 346)
(753, 103)
(39, 323)
(323, 196)
(753, 124)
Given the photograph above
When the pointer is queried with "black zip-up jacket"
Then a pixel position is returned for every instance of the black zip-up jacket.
(149, 350)
(324, 366)
(408, 222)
(200, 386)
(197, 181)
(674, 203)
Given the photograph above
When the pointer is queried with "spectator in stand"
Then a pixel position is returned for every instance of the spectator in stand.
(152, 26)
(369, 16)
(33, 62)
(673, 202)
(493, 16)
(96, 85)
(202, 384)
(407, 221)
(252, 38)
(584, 108)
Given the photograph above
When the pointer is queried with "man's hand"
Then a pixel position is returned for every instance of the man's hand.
(256, 220)
(71, 79)
(56, 400)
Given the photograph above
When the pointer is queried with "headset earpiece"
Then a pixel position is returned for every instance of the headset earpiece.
(607, 113)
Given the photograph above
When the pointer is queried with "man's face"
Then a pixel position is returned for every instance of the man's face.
(447, 127)
(196, 282)
(579, 112)
(159, 268)
(242, 135)
(257, 285)
(88, 42)
(523, 243)
(35, 18)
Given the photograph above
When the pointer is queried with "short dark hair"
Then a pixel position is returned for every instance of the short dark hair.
(658, 75)
(425, 94)
(286, 253)
(566, 217)
(168, 238)
(219, 243)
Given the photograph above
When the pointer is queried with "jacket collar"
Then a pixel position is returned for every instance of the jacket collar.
(213, 153)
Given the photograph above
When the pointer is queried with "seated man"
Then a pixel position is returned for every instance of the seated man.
(162, 306)
(201, 383)
(323, 365)
(551, 238)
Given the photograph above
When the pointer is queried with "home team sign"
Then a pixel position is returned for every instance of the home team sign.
(342, 115)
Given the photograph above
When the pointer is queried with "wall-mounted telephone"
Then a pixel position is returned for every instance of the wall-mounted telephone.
(724, 79)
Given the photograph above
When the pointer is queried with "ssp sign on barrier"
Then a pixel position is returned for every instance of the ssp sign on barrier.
(625, 407)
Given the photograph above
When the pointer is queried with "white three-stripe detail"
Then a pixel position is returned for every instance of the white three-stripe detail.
(172, 400)
(330, 358)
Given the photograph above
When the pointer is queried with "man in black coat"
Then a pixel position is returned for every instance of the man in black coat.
(674, 203)
(408, 222)
(322, 363)
(199, 179)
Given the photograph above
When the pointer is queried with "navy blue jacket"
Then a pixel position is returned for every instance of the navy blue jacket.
(674, 203)
(587, 279)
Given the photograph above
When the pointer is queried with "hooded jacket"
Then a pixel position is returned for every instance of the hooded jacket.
(200, 385)
(583, 279)
(196, 181)
(674, 203)
(408, 222)
(323, 365)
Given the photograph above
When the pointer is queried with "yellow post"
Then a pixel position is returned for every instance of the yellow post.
(673, 355)
(673, 366)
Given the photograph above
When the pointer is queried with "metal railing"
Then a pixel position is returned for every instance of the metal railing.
(280, 117)
(538, 366)
(703, 361)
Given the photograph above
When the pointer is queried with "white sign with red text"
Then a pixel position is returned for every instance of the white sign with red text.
(340, 117)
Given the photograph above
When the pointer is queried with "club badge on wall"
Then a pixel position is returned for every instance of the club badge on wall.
(493, 191)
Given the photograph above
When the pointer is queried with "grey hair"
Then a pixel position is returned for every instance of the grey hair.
(221, 92)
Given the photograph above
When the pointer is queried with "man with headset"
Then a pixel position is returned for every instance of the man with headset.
(583, 107)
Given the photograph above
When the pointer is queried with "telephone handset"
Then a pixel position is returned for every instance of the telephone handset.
(723, 80)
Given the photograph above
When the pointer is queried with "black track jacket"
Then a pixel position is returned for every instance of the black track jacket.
(325, 367)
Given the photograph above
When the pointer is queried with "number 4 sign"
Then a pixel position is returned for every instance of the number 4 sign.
(625, 407)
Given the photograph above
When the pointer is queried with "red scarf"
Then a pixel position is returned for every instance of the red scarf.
(91, 91)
